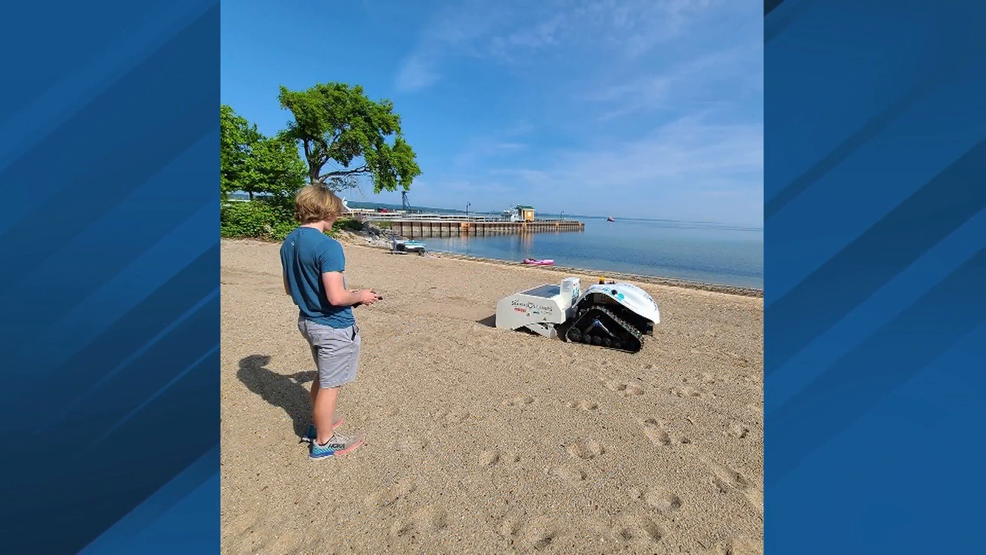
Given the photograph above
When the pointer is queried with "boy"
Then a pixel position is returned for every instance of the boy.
(313, 265)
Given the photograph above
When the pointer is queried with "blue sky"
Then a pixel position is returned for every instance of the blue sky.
(640, 108)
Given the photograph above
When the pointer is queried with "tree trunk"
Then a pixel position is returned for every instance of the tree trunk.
(251, 194)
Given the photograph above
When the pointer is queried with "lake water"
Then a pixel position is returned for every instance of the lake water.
(706, 252)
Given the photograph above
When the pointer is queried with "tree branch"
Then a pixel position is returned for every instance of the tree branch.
(337, 173)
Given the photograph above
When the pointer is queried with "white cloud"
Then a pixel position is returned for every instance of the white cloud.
(505, 142)
(449, 31)
(509, 30)
(704, 167)
(636, 27)
(417, 72)
(705, 81)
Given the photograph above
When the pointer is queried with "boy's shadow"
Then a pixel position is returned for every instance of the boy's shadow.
(287, 392)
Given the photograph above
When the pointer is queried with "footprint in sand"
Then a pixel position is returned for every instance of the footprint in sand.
(687, 391)
(655, 431)
(637, 530)
(429, 518)
(586, 451)
(411, 444)
(738, 546)
(566, 473)
(285, 543)
(448, 418)
(510, 526)
(658, 499)
(540, 532)
(386, 497)
(241, 524)
(582, 405)
(726, 478)
(489, 458)
(738, 430)
(389, 411)
(518, 401)
(626, 389)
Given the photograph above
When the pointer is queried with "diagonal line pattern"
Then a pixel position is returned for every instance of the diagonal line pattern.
(872, 128)
(117, 161)
(161, 501)
(934, 211)
(108, 302)
(161, 448)
(770, 5)
(111, 346)
(877, 367)
(867, 318)
(775, 25)
(62, 414)
(45, 112)
(86, 254)
(151, 399)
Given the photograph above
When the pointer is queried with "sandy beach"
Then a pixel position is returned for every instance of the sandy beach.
(481, 440)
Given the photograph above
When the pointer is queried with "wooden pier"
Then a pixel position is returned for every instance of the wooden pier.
(447, 227)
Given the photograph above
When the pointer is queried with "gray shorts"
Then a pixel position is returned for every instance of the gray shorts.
(335, 351)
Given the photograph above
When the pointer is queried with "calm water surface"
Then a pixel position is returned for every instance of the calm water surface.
(705, 252)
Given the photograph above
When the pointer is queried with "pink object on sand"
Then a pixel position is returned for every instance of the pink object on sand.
(535, 262)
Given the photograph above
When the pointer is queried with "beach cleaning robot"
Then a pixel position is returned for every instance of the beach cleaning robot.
(609, 314)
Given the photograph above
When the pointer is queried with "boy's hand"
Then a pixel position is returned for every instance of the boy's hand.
(368, 297)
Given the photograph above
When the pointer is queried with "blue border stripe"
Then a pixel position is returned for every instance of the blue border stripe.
(123, 532)
(870, 316)
(853, 275)
(915, 339)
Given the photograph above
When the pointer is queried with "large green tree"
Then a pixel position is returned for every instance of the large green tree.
(275, 167)
(236, 137)
(338, 123)
(253, 163)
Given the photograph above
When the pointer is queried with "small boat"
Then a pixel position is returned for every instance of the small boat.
(610, 219)
(403, 246)
(536, 262)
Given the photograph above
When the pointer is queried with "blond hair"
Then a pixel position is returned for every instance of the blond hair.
(316, 203)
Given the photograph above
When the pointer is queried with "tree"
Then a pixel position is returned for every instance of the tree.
(274, 166)
(253, 163)
(339, 123)
(235, 139)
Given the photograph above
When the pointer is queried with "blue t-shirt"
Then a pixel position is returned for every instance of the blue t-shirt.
(306, 254)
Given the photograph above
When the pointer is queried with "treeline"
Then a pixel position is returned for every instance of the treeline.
(337, 137)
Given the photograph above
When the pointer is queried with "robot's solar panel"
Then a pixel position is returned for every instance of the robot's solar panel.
(544, 291)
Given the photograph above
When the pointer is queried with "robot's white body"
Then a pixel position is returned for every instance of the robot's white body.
(609, 314)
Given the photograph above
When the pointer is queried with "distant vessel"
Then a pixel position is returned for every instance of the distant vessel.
(610, 219)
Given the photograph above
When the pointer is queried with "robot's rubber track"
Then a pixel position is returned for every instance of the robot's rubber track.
(598, 325)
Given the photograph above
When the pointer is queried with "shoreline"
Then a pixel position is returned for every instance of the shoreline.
(353, 239)
(641, 278)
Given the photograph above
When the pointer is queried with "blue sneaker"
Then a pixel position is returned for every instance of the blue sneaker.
(311, 435)
(337, 445)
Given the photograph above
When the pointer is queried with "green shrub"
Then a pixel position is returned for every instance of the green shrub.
(261, 219)
(256, 219)
(347, 224)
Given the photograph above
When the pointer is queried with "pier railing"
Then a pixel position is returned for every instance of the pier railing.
(421, 217)
(448, 225)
